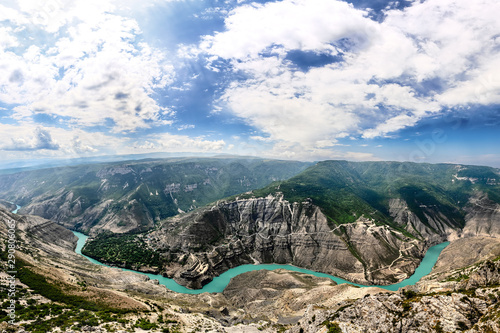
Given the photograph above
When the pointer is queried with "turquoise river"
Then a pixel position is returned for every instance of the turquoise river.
(218, 284)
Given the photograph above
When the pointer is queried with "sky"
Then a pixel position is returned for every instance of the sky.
(309, 80)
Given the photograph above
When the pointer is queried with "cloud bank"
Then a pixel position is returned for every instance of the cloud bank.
(297, 79)
(385, 76)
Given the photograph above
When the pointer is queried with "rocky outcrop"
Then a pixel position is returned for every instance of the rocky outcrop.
(483, 216)
(68, 210)
(395, 313)
(282, 296)
(487, 274)
(50, 248)
(370, 223)
(273, 230)
(205, 243)
(39, 233)
(437, 226)
(463, 252)
(8, 206)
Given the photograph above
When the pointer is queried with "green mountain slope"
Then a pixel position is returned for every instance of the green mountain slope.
(346, 190)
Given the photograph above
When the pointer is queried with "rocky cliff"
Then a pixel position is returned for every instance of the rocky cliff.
(459, 295)
(37, 234)
(273, 230)
(452, 312)
(483, 216)
(200, 245)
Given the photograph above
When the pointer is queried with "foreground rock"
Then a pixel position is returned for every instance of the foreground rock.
(451, 312)
(282, 296)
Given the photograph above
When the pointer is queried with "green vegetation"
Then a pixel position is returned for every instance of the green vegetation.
(66, 311)
(438, 327)
(50, 316)
(409, 294)
(333, 327)
(145, 324)
(70, 311)
(126, 250)
(458, 278)
(45, 317)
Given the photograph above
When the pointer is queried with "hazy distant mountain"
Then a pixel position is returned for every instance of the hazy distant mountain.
(124, 196)
(16, 166)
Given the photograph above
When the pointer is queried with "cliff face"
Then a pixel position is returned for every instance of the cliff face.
(453, 312)
(366, 222)
(437, 227)
(67, 209)
(34, 232)
(483, 216)
(273, 230)
(468, 303)
(279, 296)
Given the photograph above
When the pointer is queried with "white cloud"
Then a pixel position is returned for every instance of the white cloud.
(185, 127)
(80, 147)
(282, 150)
(97, 72)
(29, 140)
(293, 24)
(6, 38)
(259, 138)
(41, 139)
(178, 143)
(92, 68)
(381, 84)
(482, 88)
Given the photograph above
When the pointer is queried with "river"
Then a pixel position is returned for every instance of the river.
(17, 208)
(220, 282)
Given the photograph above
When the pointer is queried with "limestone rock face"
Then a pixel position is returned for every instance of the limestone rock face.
(465, 252)
(273, 230)
(394, 313)
(67, 209)
(487, 274)
(283, 296)
(41, 234)
(437, 224)
(8, 206)
(206, 242)
(483, 216)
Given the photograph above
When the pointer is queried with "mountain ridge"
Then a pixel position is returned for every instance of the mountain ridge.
(134, 195)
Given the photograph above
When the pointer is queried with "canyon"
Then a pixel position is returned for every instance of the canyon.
(369, 223)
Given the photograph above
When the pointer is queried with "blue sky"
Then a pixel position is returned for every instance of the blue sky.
(293, 79)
